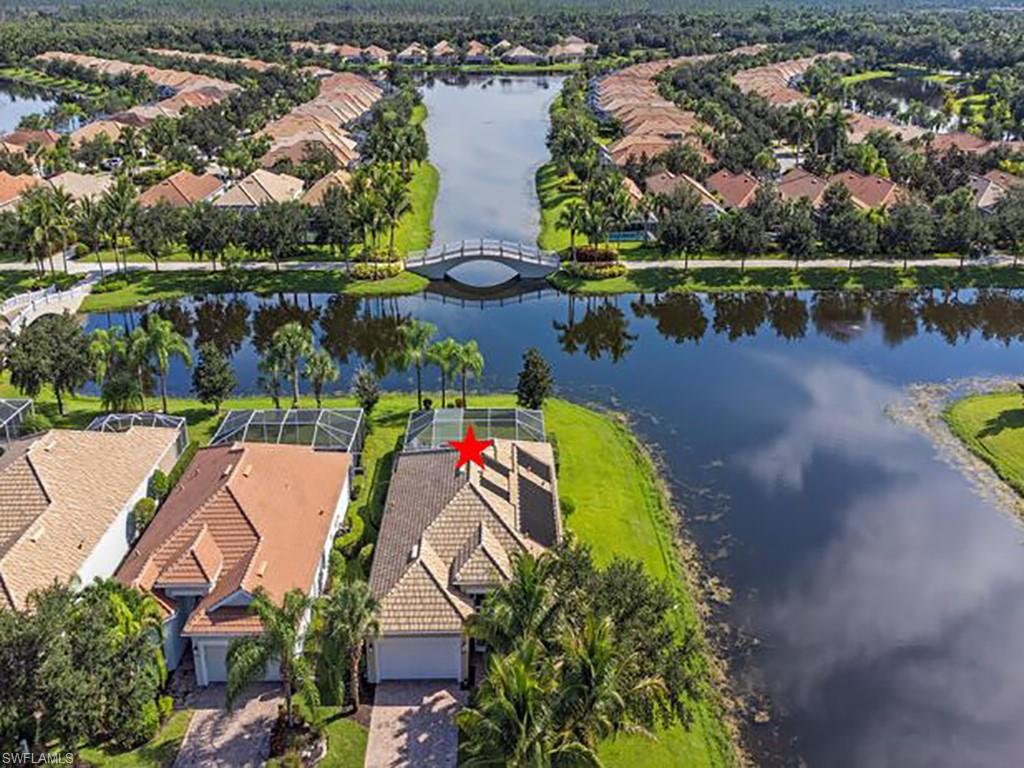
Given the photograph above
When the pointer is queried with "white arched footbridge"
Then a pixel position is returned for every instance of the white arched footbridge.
(526, 260)
(19, 311)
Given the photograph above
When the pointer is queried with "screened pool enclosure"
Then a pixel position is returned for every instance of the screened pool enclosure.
(429, 430)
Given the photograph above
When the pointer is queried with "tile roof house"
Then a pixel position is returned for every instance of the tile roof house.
(476, 53)
(414, 53)
(799, 183)
(12, 187)
(374, 54)
(182, 189)
(868, 191)
(243, 516)
(666, 183)
(571, 48)
(448, 537)
(66, 498)
(737, 190)
(968, 143)
(990, 189)
(91, 131)
(82, 186)
(315, 194)
(25, 138)
(261, 187)
(521, 55)
(444, 52)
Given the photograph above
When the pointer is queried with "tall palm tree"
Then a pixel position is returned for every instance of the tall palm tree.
(130, 144)
(320, 369)
(138, 356)
(270, 374)
(120, 205)
(63, 219)
(162, 344)
(280, 642)
(523, 607)
(105, 346)
(470, 363)
(416, 336)
(36, 219)
(350, 618)
(572, 218)
(393, 195)
(444, 354)
(90, 227)
(292, 342)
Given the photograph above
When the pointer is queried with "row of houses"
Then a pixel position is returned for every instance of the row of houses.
(651, 124)
(255, 513)
(181, 90)
(568, 49)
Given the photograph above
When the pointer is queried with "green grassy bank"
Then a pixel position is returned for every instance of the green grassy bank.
(37, 79)
(992, 427)
(620, 508)
(143, 287)
(808, 277)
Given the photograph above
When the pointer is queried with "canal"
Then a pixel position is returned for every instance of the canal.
(18, 101)
(878, 598)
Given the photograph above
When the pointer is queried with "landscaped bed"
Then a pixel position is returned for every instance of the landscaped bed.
(619, 507)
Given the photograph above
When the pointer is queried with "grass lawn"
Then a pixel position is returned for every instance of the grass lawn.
(346, 739)
(39, 79)
(992, 427)
(12, 283)
(717, 279)
(414, 232)
(144, 287)
(620, 508)
(862, 77)
(159, 753)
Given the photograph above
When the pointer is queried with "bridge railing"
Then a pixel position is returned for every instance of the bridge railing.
(37, 306)
(21, 299)
(481, 247)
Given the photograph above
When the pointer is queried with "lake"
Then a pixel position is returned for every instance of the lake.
(878, 598)
(17, 101)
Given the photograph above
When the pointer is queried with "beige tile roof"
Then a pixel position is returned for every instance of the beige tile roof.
(772, 81)
(181, 189)
(243, 516)
(444, 531)
(82, 186)
(315, 194)
(260, 187)
(88, 479)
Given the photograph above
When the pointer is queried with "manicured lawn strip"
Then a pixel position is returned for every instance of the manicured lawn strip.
(158, 753)
(144, 287)
(992, 427)
(808, 277)
(622, 509)
(39, 79)
(414, 232)
(12, 283)
(862, 77)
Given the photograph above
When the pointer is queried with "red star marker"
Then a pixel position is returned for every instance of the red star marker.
(470, 449)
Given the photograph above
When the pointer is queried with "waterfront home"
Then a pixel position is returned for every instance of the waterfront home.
(476, 53)
(521, 55)
(736, 190)
(82, 186)
(414, 54)
(182, 189)
(444, 53)
(244, 516)
(258, 188)
(775, 82)
(648, 145)
(350, 54)
(861, 126)
(13, 188)
(374, 54)
(66, 500)
(800, 183)
(500, 48)
(968, 143)
(571, 49)
(666, 184)
(448, 537)
(95, 129)
(315, 194)
(29, 139)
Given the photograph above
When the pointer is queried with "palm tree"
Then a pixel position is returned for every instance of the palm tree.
(416, 336)
(63, 219)
(800, 124)
(120, 204)
(270, 374)
(350, 618)
(524, 607)
(444, 354)
(320, 369)
(90, 226)
(129, 143)
(572, 218)
(291, 343)
(138, 356)
(280, 642)
(37, 221)
(105, 346)
(470, 363)
(393, 196)
(162, 344)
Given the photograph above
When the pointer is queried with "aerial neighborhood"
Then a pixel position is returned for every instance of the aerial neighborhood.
(404, 384)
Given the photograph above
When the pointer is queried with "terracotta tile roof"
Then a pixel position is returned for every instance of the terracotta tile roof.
(260, 187)
(965, 142)
(87, 478)
(666, 183)
(443, 531)
(26, 138)
(254, 64)
(634, 192)
(413, 50)
(521, 53)
(13, 187)
(861, 125)
(376, 53)
(799, 183)
(1004, 179)
(737, 190)
(242, 516)
(82, 186)
(90, 131)
(315, 194)
(443, 48)
(868, 191)
(772, 81)
(476, 48)
(170, 78)
(181, 189)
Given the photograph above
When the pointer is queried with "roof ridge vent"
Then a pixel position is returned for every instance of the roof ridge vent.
(227, 470)
(414, 553)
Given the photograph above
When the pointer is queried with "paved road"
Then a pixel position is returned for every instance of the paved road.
(217, 738)
(413, 724)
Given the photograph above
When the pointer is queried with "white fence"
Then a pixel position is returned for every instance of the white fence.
(37, 303)
(481, 248)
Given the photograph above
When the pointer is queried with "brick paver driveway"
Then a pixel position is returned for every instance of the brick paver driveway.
(413, 724)
(239, 738)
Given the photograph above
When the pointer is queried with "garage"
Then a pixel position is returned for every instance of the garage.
(215, 657)
(436, 657)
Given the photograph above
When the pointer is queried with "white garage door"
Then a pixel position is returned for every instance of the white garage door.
(216, 662)
(419, 658)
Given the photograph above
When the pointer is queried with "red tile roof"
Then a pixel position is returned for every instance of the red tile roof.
(737, 190)
(181, 189)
